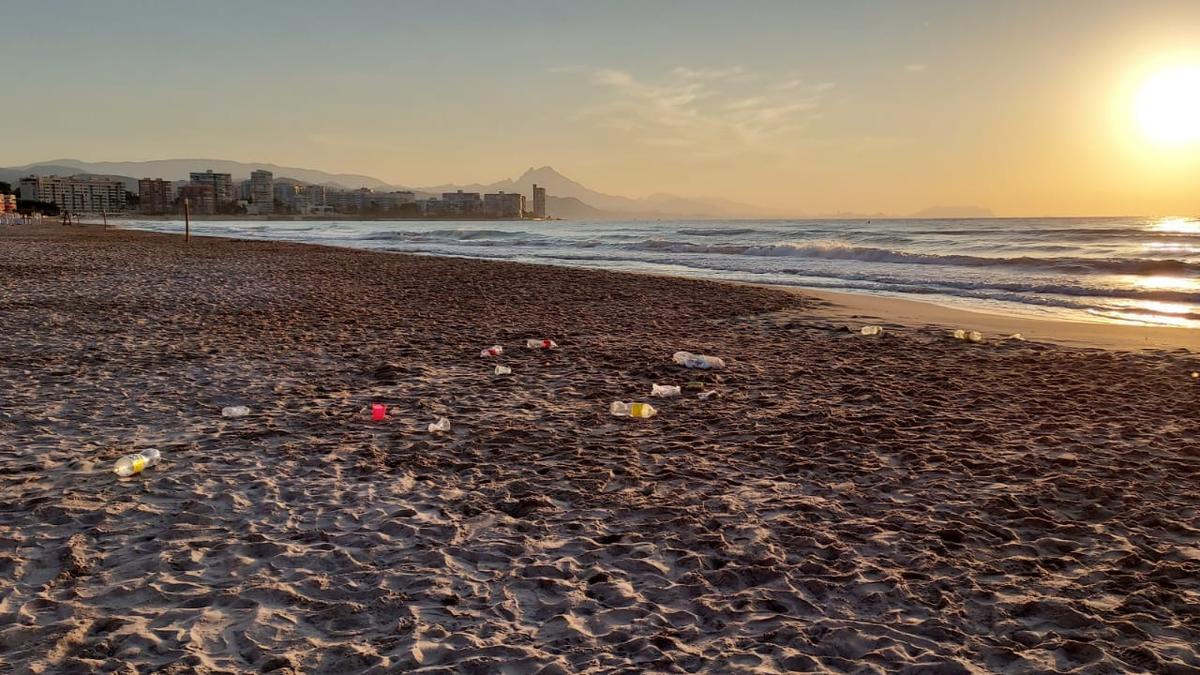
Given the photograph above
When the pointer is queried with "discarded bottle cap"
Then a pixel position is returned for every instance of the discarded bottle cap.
(378, 412)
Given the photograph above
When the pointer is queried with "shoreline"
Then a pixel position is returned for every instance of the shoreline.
(888, 310)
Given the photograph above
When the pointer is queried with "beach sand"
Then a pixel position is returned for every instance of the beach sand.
(848, 504)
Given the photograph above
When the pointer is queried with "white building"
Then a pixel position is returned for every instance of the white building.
(77, 194)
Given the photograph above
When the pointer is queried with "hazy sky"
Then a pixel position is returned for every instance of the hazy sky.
(1021, 107)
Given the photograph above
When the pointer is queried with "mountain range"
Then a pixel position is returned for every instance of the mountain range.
(566, 198)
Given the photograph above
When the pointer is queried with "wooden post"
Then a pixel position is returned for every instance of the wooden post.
(187, 220)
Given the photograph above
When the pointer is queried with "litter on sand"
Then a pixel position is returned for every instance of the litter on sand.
(378, 412)
(541, 344)
(968, 336)
(235, 411)
(872, 330)
(135, 463)
(705, 395)
(632, 409)
(690, 360)
(494, 350)
(503, 370)
(664, 390)
(441, 425)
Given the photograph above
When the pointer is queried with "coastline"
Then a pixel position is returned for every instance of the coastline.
(863, 308)
(902, 503)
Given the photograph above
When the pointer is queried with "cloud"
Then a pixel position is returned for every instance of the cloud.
(706, 111)
(915, 67)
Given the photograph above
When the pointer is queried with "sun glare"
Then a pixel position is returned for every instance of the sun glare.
(1167, 105)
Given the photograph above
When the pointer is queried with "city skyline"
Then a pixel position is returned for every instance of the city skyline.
(1021, 108)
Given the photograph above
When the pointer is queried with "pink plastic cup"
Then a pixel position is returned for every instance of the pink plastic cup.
(378, 412)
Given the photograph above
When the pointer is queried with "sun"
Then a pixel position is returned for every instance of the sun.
(1167, 105)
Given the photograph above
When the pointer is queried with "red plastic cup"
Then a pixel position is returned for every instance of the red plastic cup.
(378, 412)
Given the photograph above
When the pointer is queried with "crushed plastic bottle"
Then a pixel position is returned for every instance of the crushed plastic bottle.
(632, 409)
(665, 390)
(872, 330)
(235, 411)
(1015, 336)
(968, 336)
(694, 385)
(494, 350)
(503, 370)
(135, 463)
(541, 344)
(378, 412)
(705, 395)
(690, 360)
(441, 425)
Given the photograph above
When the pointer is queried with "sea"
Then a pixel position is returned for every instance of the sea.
(1123, 270)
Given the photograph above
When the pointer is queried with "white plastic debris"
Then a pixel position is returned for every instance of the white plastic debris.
(705, 395)
(541, 344)
(441, 425)
(690, 360)
(235, 411)
(665, 390)
(503, 370)
(494, 350)
(872, 330)
(968, 336)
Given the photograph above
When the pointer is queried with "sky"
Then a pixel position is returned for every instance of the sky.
(1023, 107)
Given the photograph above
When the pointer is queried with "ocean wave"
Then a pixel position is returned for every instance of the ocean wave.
(446, 235)
(716, 232)
(838, 251)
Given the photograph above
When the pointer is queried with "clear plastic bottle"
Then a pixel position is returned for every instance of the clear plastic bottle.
(872, 330)
(632, 409)
(135, 463)
(503, 370)
(441, 425)
(494, 350)
(235, 411)
(690, 360)
(664, 390)
(541, 344)
(969, 336)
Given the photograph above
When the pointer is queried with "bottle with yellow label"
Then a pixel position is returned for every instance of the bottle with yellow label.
(642, 410)
(133, 464)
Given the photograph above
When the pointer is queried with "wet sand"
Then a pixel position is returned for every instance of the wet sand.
(848, 504)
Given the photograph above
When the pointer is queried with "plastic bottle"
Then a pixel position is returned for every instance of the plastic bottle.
(135, 463)
(503, 370)
(690, 360)
(969, 336)
(442, 424)
(641, 410)
(494, 350)
(872, 330)
(541, 344)
(235, 411)
(664, 390)
(705, 395)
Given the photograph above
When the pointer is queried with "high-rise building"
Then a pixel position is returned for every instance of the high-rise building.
(262, 191)
(154, 195)
(199, 199)
(221, 183)
(539, 201)
(504, 204)
(461, 203)
(77, 194)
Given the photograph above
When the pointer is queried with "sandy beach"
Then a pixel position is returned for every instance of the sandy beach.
(902, 503)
